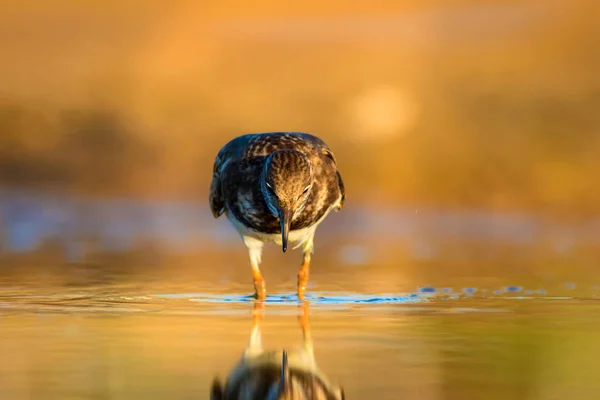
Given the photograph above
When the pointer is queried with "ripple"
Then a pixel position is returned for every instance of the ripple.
(291, 298)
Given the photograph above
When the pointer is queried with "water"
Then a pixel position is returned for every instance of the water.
(118, 343)
(118, 300)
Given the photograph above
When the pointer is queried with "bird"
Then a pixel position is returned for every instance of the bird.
(276, 375)
(276, 187)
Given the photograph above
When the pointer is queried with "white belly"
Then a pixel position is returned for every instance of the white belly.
(250, 236)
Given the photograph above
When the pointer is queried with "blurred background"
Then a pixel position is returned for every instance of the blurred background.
(465, 130)
(468, 136)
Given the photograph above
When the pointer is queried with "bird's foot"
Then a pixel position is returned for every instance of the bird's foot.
(259, 295)
(302, 282)
(260, 290)
(301, 291)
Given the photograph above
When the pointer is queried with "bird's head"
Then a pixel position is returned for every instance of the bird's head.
(285, 183)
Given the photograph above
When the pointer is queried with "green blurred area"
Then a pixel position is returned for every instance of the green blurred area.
(474, 104)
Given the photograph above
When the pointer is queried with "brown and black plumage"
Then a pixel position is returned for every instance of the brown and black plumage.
(276, 187)
(277, 375)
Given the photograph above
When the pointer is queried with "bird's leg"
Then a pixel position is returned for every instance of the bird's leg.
(305, 326)
(255, 251)
(260, 288)
(304, 271)
(303, 274)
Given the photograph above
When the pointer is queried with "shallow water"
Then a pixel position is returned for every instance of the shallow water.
(118, 300)
(94, 343)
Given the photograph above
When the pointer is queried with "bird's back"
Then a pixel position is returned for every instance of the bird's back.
(263, 144)
(237, 170)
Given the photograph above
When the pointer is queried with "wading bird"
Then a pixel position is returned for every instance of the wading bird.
(276, 187)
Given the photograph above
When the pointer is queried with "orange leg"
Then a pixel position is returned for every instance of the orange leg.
(260, 288)
(303, 274)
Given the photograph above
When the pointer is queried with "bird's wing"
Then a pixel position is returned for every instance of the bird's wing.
(215, 196)
(342, 190)
(326, 151)
(229, 153)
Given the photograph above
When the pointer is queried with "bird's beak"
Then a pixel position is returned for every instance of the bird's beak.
(285, 218)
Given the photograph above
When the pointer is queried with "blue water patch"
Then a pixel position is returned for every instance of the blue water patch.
(469, 290)
(292, 298)
(513, 289)
(427, 289)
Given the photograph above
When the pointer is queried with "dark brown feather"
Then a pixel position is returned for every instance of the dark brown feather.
(237, 171)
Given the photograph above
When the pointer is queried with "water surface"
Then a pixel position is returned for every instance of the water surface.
(111, 299)
(90, 344)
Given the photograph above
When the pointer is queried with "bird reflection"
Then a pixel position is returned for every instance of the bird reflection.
(277, 375)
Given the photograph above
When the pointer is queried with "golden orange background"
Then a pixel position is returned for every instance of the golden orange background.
(468, 104)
